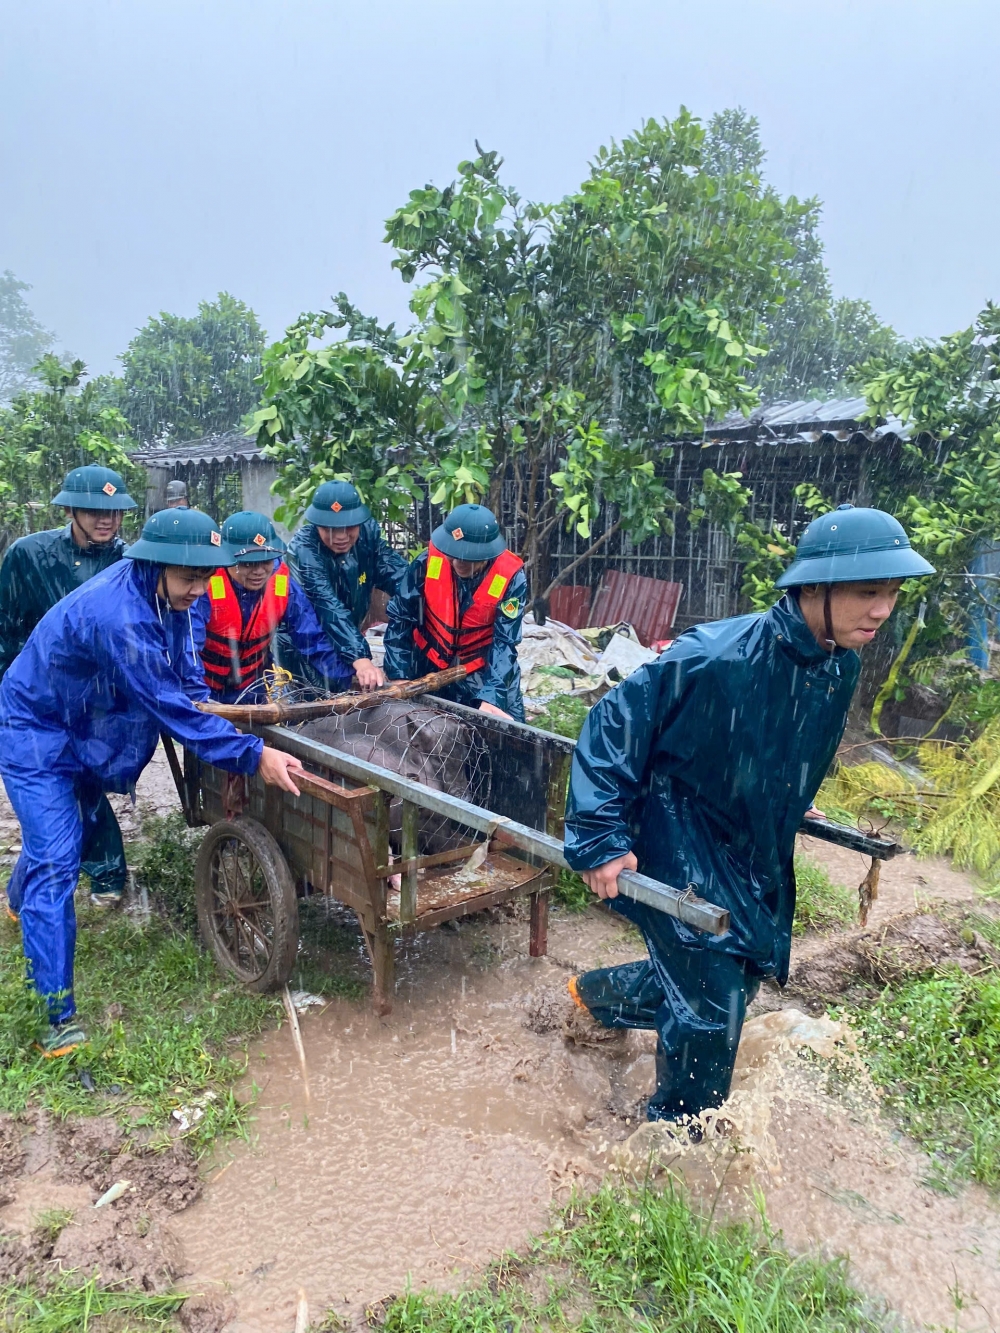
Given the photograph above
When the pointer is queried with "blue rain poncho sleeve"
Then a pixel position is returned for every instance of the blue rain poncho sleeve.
(405, 613)
(613, 751)
(166, 691)
(302, 626)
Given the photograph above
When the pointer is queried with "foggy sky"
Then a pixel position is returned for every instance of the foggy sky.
(154, 152)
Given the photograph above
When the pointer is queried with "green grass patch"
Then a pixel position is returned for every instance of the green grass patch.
(820, 904)
(933, 1044)
(69, 1308)
(163, 864)
(165, 1027)
(564, 715)
(569, 891)
(626, 1259)
(332, 958)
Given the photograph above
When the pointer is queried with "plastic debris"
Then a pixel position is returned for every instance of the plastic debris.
(115, 1192)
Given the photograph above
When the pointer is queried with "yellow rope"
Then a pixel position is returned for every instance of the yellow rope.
(276, 680)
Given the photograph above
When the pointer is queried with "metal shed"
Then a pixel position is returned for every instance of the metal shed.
(775, 449)
(223, 473)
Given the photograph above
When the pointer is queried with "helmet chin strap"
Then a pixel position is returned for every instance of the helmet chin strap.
(831, 642)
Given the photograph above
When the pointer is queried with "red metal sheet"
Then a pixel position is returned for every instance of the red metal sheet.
(649, 605)
(570, 604)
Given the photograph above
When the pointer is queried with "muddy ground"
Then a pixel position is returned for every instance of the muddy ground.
(430, 1140)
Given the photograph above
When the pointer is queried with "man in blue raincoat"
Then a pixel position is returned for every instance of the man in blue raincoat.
(338, 557)
(81, 709)
(462, 603)
(246, 604)
(698, 769)
(40, 569)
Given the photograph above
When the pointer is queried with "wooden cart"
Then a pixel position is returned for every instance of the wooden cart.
(264, 848)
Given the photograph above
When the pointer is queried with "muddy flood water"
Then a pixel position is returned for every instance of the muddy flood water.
(434, 1138)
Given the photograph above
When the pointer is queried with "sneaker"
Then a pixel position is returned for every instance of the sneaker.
(11, 914)
(103, 901)
(62, 1038)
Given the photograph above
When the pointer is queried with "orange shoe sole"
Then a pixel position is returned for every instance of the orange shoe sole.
(60, 1050)
(574, 993)
(11, 915)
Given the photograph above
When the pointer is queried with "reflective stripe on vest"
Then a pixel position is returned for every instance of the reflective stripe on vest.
(234, 655)
(443, 639)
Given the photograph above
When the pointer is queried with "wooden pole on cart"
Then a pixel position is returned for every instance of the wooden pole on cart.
(264, 715)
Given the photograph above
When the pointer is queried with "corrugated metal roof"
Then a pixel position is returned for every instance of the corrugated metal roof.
(232, 447)
(803, 422)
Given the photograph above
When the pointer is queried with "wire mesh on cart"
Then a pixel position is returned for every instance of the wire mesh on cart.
(437, 749)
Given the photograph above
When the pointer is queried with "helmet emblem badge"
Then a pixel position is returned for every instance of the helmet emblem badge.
(108, 489)
(216, 538)
(457, 533)
(260, 539)
(336, 506)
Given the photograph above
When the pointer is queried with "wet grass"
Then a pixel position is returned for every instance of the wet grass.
(933, 1044)
(66, 1307)
(820, 904)
(626, 1259)
(569, 891)
(165, 1029)
(332, 959)
(563, 715)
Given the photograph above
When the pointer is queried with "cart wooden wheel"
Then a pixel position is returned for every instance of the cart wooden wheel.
(247, 910)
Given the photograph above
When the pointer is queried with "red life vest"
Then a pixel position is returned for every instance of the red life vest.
(443, 639)
(234, 655)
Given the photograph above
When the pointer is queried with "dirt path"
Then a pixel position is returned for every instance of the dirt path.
(441, 1135)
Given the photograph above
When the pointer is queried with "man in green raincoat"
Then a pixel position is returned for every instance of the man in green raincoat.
(41, 569)
(698, 769)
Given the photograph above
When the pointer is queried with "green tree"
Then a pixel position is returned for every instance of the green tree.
(45, 433)
(947, 392)
(553, 347)
(813, 338)
(23, 341)
(187, 378)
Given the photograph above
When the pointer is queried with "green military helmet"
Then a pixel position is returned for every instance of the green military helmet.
(337, 504)
(252, 537)
(182, 537)
(94, 487)
(470, 532)
(853, 546)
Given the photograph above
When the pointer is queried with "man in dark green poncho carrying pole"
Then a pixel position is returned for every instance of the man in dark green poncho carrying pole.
(41, 569)
(698, 769)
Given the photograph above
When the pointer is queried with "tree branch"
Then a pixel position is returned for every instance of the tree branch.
(580, 558)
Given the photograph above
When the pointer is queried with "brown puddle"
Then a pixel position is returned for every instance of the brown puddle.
(432, 1139)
